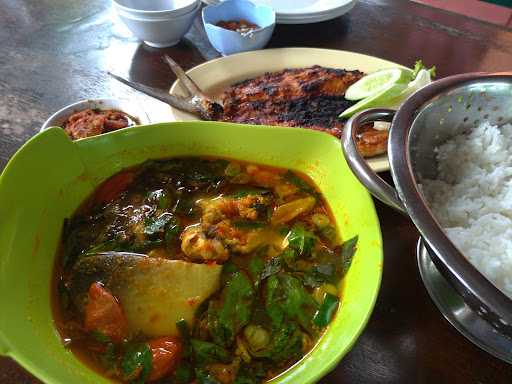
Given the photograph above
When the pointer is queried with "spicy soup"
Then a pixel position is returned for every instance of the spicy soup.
(195, 270)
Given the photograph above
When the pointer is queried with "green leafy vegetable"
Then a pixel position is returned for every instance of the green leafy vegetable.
(108, 358)
(286, 298)
(185, 337)
(172, 230)
(157, 225)
(286, 344)
(227, 316)
(137, 362)
(251, 374)
(248, 224)
(289, 257)
(292, 178)
(320, 274)
(247, 191)
(348, 249)
(301, 240)
(204, 377)
(326, 311)
(329, 233)
(273, 297)
(271, 267)
(206, 352)
(228, 270)
(101, 337)
(418, 66)
(185, 206)
(244, 379)
(159, 197)
(184, 373)
(256, 265)
(192, 171)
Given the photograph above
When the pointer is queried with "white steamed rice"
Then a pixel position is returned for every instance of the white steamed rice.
(472, 199)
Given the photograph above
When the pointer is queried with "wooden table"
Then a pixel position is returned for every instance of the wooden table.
(55, 52)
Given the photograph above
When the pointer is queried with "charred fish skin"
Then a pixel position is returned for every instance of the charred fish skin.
(310, 98)
(300, 97)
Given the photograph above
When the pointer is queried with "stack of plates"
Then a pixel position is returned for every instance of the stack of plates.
(303, 11)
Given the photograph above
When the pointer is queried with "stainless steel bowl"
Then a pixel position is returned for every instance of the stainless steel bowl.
(427, 119)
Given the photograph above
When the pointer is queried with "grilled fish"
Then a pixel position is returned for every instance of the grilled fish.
(301, 97)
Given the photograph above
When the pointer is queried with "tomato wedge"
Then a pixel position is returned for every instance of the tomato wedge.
(104, 314)
(166, 352)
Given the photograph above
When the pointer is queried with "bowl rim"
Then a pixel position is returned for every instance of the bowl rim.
(124, 14)
(141, 114)
(175, 12)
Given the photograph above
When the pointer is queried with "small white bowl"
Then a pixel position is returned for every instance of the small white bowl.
(156, 8)
(59, 117)
(160, 29)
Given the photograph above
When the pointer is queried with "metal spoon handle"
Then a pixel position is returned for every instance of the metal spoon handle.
(375, 184)
(175, 101)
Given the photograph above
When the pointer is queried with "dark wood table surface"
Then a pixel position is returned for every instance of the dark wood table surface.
(55, 52)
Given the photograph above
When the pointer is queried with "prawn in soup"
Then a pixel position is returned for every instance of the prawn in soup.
(195, 270)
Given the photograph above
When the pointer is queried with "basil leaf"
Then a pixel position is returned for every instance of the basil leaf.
(227, 316)
(101, 337)
(157, 225)
(252, 373)
(301, 240)
(348, 249)
(271, 267)
(204, 377)
(184, 373)
(137, 363)
(286, 298)
(172, 230)
(292, 178)
(320, 274)
(108, 358)
(250, 191)
(158, 197)
(326, 311)
(185, 206)
(255, 268)
(329, 233)
(248, 224)
(286, 344)
(206, 352)
(185, 337)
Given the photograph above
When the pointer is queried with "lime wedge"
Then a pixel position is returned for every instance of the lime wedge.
(376, 82)
(386, 97)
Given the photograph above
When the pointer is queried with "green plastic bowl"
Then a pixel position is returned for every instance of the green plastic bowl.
(48, 178)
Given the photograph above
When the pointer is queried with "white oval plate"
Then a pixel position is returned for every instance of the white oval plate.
(303, 11)
(216, 75)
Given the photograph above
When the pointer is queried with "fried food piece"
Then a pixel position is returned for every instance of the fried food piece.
(92, 122)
